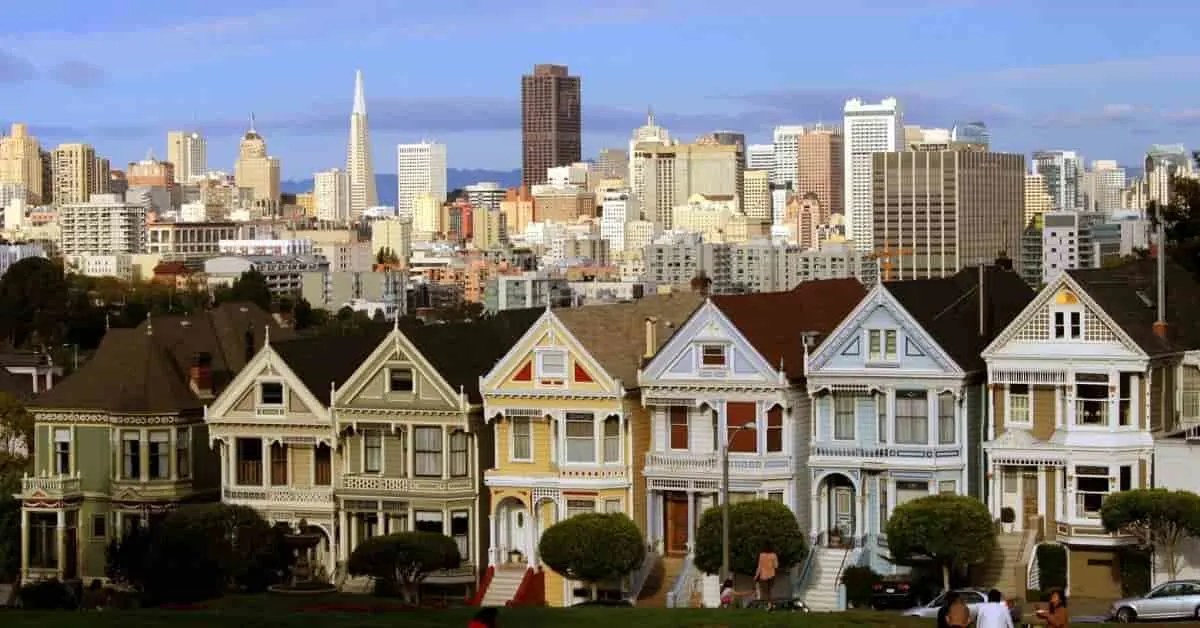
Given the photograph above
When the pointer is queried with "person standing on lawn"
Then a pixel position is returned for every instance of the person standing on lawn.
(1055, 614)
(764, 576)
(995, 613)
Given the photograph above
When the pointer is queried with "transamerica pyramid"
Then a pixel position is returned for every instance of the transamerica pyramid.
(358, 155)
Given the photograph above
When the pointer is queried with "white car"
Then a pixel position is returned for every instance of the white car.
(971, 597)
(1178, 599)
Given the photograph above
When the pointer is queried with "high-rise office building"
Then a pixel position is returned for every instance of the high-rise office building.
(612, 163)
(188, 152)
(1164, 161)
(786, 140)
(1037, 200)
(21, 162)
(358, 155)
(620, 207)
(331, 195)
(485, 194)
(257, 171)
(74, 168)
(1103, 187)
(1063, 173)
(551, 122)
(868, 129)
(939, 211)
(760, 157)
(666, 176)
(819, 169)
(971, 133)
(422, 170)
(756, 194)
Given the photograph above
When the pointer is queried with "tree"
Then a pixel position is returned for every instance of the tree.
(1180, 216)
(252, 287)
(302, 314)
(753, 526)
(593, 547)
(1159, 519)
(16, 427)
(404, 559)
(949, 531)
(33, 302)
(10, 519)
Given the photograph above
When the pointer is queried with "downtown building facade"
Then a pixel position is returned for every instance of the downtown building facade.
(551, 122)
(359, 169)
(867, 129)
(421, 172)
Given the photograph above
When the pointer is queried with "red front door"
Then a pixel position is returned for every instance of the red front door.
(676, 523)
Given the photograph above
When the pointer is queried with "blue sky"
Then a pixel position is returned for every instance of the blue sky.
(1100, 77)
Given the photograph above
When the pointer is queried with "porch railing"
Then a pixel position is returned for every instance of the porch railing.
(637, 579)
(711, 463)
(682, 589)
(887, 451)
(804, 572)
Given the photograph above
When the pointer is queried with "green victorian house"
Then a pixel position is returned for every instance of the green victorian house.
(123, 440)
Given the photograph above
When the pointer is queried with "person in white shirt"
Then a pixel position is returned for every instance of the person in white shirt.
(994, 613)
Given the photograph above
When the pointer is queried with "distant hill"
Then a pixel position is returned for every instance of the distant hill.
(385, 184)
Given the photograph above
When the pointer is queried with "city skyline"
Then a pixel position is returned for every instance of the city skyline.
(1097, 91)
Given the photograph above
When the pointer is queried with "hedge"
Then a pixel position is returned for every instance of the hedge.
(1052, 566)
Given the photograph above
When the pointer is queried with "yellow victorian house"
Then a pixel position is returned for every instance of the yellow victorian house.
(570, 433)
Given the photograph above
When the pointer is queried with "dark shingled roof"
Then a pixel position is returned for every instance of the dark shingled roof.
(463, 352)
(324, 359)
(774, 322)
(948, 309)
(145, 370)
(1128, 295)
(19, 387)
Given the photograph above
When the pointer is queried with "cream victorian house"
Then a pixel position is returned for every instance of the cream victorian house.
(570, 430)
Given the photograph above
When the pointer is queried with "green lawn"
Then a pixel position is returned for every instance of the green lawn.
(345, 611)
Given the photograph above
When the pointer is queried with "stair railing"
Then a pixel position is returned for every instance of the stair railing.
(681, 589)
(637, 579)
(804, 572)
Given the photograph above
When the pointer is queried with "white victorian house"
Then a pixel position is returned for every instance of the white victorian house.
(898, 407)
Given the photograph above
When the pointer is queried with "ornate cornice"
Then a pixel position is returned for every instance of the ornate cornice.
(100, 418)
(403, 414)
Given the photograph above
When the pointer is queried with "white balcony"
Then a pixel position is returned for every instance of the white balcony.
(1189, 409)
(674, 463)
(316, 496)
(889, 453)
(375, 483)
(50, 486)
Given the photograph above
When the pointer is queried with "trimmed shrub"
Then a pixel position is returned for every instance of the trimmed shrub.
(48, 595)
(1136, 571)
(593, 548)
(403, 560)
(1052, 566)
(860, 582)
(1007, 515)
(753, 525)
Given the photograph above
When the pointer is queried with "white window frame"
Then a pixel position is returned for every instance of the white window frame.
(270, 409)
(853, 401)
(605, 436)
(576, 417)
(540, 377)
(717, 346)
(464, 545)
(412, 378)
(881, 337)
(70, 450)
(1010, 417)
(442, 451)
(182, 443)
(613, 505)
(946, 398)
(576, 507)
(139, 457)
(1080, 513)
(1068, 325)
(363, 447)
(512, 437)
(164, 441)
(896, 419)
(947, 487)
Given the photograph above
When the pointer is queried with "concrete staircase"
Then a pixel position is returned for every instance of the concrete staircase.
(821, 592)
(358, 584)
(503, 587)
(1005, 571)
(659, 582)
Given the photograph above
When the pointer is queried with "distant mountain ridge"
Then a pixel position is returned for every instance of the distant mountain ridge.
(385, 184)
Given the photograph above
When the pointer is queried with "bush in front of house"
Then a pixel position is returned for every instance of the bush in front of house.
(860, 582)
(593, 548)
(753, 526)
(1052, 566)
(403, 560)
(48, 595)
(1136, 571)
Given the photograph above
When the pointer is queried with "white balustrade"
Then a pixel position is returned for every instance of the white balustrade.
(280, 494)
(51, 485)
(380, 483)
(677, 462)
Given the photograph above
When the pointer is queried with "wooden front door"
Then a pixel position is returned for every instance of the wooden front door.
(676, 522)
(1029, 499)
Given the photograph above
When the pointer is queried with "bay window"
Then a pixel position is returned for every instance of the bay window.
(678, 419)
(1091, 399)
(427, 452)
(737, 415)
(159, 455)
(912, 417)
(131, 455)
(581, 437)
(775, 429)
(372, 461)
(1018, 404)
(249, 461)
(428, 521)
(458, 454)
(522, 438)
(612, 439)
(460, 531)
(323, 465)
(1092, 486)
(183, 453)
(62, 450)
(843, 416)
(279, 464)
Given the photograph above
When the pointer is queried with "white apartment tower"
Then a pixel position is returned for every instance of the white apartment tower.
(760, 157)
(104, 225)
(620, 208)
(422, 170)
(867, 129)
(358, 155)
(650, 133)
(1063, 173)
(1105, 186)
(785, 166)
(188, 152)
(331, 195)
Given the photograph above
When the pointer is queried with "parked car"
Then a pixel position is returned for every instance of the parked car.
(793, 605)
(1178, 599)
(971, 597)
(898, 592)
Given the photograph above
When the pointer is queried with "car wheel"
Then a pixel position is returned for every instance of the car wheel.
(1127, 616)
(1196, 613)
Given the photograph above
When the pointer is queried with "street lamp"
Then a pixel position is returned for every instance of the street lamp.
(749, 425)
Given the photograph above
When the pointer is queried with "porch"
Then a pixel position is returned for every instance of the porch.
(360, 519)
(49, 543)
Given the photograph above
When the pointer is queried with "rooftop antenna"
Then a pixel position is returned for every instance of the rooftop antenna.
(266, 334)
(252, 122)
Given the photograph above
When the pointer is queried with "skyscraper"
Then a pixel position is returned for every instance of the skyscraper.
(1164, 161)
(1063, 172)
(188, 152)
(358, 155)
(551, 122)
(331, 195)
(421, 170)
(785, 140)
(21, 162)
(258, 171)
(867, 129)
(74, 168)
(819, 169)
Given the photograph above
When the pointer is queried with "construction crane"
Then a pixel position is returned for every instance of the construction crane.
(885, 256)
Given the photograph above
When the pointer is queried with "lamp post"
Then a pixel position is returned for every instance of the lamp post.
(725, 498)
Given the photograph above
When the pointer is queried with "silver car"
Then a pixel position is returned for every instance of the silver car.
(1178, 599)
(971, 597)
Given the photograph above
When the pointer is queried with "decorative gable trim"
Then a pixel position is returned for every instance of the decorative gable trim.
(265, 362)
(392, 345)
(704, 327)
(849, 332)
(1036, 315)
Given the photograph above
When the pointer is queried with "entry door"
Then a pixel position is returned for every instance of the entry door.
(1029, 498)
(676, 524)
(516, 531)
(843, 510)
(70, 541)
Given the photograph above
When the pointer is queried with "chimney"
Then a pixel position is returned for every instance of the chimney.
(651, 337)
(1160, 325)
(200, 375)
(983, 304)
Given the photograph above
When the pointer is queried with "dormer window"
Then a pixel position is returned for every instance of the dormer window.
(551, 366)
(712, 356)
(400, 380)
(881, 345)
(270, 394)
(1068, 325)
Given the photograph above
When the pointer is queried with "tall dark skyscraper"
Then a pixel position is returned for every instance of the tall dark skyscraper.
(551, 123)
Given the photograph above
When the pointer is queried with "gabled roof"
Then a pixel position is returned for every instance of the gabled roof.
(1128, 294)
(461, 352)
(774, 322)
(948, 309)
(145, 370)
(615, 334)
(319, 361)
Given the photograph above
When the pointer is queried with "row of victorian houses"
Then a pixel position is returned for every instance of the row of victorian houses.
(838, 400)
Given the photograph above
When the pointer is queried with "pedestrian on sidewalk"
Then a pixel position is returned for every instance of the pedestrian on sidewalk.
(995, 613)
(764, 576)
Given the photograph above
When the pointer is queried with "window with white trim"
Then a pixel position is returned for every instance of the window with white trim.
(881, 416)
(62, 450)
(1092, 486)
(1068, 324)
(612, 439)
(183, 452)
(522, 438)
(159, 455)
(712, 356)
(551, 366)
(912, 417)
(400, 381)
(270, 393)
(946, 420)
(580, 437)
(612, 506)
(372, 451)
(843, 416)
(460, 531)
(579, 507)
(948, 487)
(131, 455)
(458, 454)
(427, 452)
(881, 345)
(1018, 405)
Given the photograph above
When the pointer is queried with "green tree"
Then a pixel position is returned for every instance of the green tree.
(302, 314)
(10, 517)
(949, 531)
(593, 547)
(252, 287)
(16, 426)
(403, 560)
(33, 302)
(1158, 518)
(1180, 216)
(753, 526)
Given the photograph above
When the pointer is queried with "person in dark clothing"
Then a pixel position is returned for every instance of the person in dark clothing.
(485, 618)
